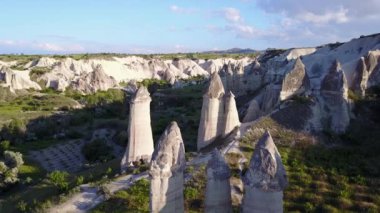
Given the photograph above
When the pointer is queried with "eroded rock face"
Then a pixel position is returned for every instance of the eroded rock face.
(94, 81)
(265, 179)
(295, 81)
(360, 78)
(211, 122)
(372, 61)
(253, 111)
(231, 116)
(189, 67)
(140, 138)
(232, 75)
(334, 91)
(166, 172)
(16, 80)
(263, 103)
(218, 189)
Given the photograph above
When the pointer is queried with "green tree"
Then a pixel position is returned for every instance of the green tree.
(59, 179)
(97, 151)
(9, 168)
(4, 146)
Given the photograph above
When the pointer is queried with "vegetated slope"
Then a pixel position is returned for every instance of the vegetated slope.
(326, 172)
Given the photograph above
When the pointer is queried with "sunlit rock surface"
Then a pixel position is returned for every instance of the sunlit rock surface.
(140, 139)
(265, 179)
(166, 172)
(211, 122)
(231, 116)
(295, 81)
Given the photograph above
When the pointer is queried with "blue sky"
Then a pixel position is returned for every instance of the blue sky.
(152, 26)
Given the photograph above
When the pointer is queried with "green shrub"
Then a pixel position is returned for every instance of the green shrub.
(13, 159)
(97, 151)
(4, 145)
(122, 138)
(79, 180)
(74, 134)
(14, 131)
(9, 169)
(134, 199)
(191, 193)
(22, 206)
(38, 71)
(59, 179)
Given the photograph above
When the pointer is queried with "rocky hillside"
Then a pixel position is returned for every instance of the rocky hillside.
(67, 72)
(329, 77)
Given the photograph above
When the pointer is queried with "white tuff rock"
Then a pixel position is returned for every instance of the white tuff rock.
(16, 80)
(295, 81)
(334, 91)
(218, 189)
(211, 121)
(265, 179)
(166, 172)
(140, 138)
(231, 116)
(96, 80)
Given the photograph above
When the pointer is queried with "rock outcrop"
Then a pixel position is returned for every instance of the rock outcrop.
(295, 81)
(253, 112)
(166, 172)
(140, 138)
(218, 189)
(334, 91)
(96, 80)
(189, 67)
(231, 116)
(16, 80)
(232, 75)
(265, 179)
(360, 78)
(211, 122)
(263, 103)
(372, 61)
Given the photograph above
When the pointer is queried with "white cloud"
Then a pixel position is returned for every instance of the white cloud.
(311, 23)
(36, 46)
(182, 10)
(338, 17)
(242, 30)
(231, 14)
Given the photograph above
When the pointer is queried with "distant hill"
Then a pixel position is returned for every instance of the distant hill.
(233, 51)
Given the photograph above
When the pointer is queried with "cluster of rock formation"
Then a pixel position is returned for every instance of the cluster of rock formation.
(219, 114)
(76, 74)
(93, 81)
(295, 81)
(264, 181)
(140, 138)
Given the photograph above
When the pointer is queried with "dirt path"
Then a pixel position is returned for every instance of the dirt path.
(89, 196)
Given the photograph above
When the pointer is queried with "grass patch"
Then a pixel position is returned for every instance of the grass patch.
(43, 194)
(133, 199)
